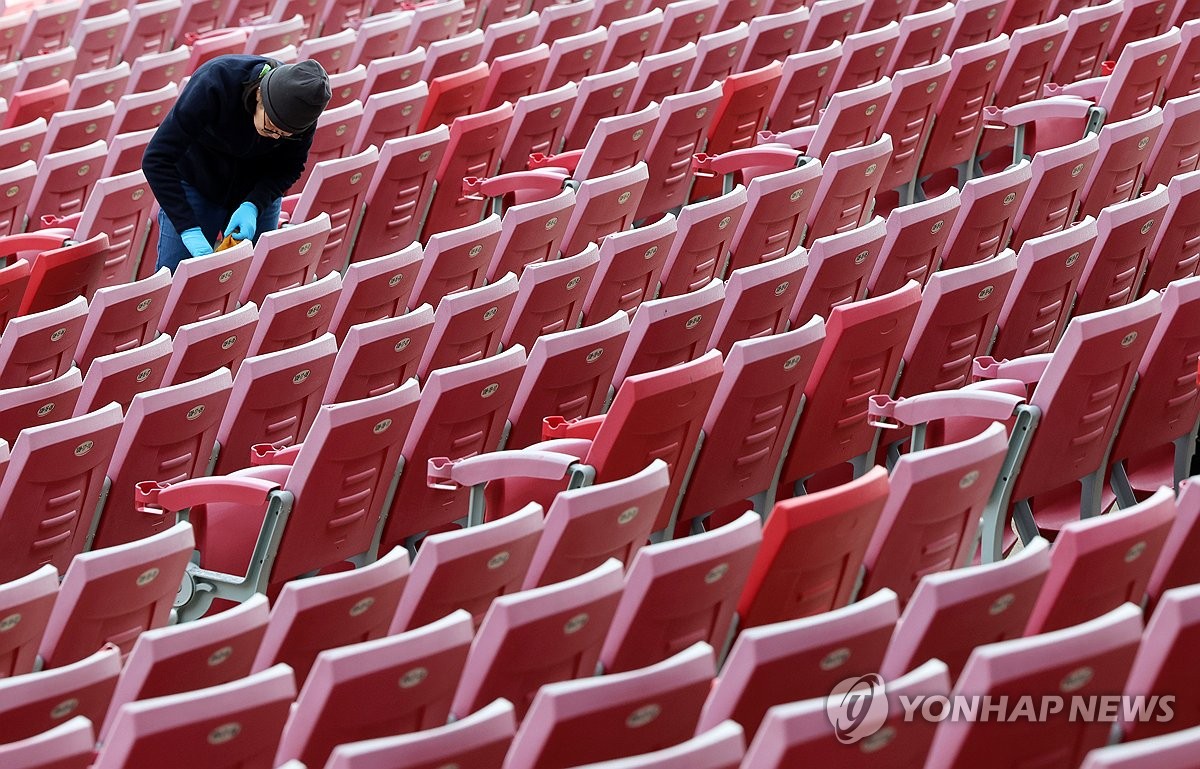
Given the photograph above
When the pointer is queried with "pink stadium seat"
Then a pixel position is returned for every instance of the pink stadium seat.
(193, 655)
(267, 36)
(122, 317)
(600, 96)
(60, 273)
(865, 56)
(336, 188)
(682, 125)
(777, 206)
(845, 197)
(202, 348)
(390, 114)
(379, 356)
(630, 265)
(1160, 666)
(799, 731)
(704, 233)
(952, 612)
(399, 194)
(530, 234)
(685, 23)
(154, 731)
(617, 143)
(117, 377)
(874, 329)
(332, 140)
(975, 21)
(390, 73)
(663, 74)
(206, 287)
(1184, 79)
(558, 21)
(469, 568)
(988, 207)
(434, 22)
(812, 551)
(631, 39)
(669, 694)
(1121, 162)
(14, 279)
(1090, 31)
(139, 110)
(150, 29)
(1034, 315)
(455, 95)
(331, 50)
(839, 266)
(1175, 568)
(586, 526)
(37, 702)
(22, 143)
(758, 301)
(538, 636)
(509, 36)
(152, 71)
(1126, 232)
(1140, 20)
(98, 40)
(110, 596)
(922, 36)
(33, 405)
(787, 661)
(1176, 151)
(295, 316)
(537, 125)
(26, 603)
(908, 119)
(474, 150)
(550, 297)
(829, 22)
(94, 88)
(851, 119)
(285, 258)
(455, 260)
(73, 128)
(375, 289)
(917, 236)
(447, 57)
(1174, 255)
(38, 347)
(718, 55)
(1084, 660)
(427, 662)
(17, 179)
(380, 35)
(125, 156)
(67, 746)
(516, 74)
(64, 181)
(468, 325)
(671, 331)
(743, 110)
(1054, 194)
(478, 741)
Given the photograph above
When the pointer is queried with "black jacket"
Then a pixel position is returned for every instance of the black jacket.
(208, 140)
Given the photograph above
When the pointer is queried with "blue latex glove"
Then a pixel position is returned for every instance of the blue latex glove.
(195, 242)
(244, 222)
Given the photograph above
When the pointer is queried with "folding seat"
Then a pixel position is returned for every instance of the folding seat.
(777, 206)
(838, 269)
(98, 40)
(929, 521)
(36, 702)
(118, 377)
(1097, 564)
(455, 260)
(773, 38)
(399, 193)
(390, 115)
(550, 298)
(880, 13)
(830, 21)
(13, 281)
(433, 22)
(336, 190)
(916, 237)
(1177, 150)
(1174, 750)
(1184, 79)
(474, 742)
(630, 265)
(975, 22)
(1122, 160)
(501, 38)
(603, 206)
(559, 21)
(346, 86)
(379, 356)
(137, 111)
(92, 89)
(97, 607)
(22, 144)
(267, 36)
(26, 602)
(1126, 232)
(326, 529)
(514, 75)
(661, 75)
(75, 128)
(758, 301)
(49, 27)
(1052, 199)
(922, 37)
(848, 121)
(122, 317)
(333, 139)
(684, 121)
(1140, 20)
(974, 72)
(40, 528)
(987, 212)
(39, 346)
(698, 252)
(206, 287)
(537, 126)
(468, 325)
(836, 395)
(344, 14)
(44, 69)
(381, 35)
(803, 568)
(67, 746)
(1175, 568)
(1090, 31)
(599, 96)
(11, 23)
(799, 659)
(64, 181)
(392, 72)
(630, 39)
(845, 197)
(447, 57)
(530, 234)
(717, 56)
(865, 58)
(374, 289)
(1083, 661)
(799, 731)
(285, 258)
(152, 71)
(805, 86)
(685, 22)
(670, 331)
(260, 400)
(573, 58)
(538, 636)
(572, 723)
(462, 414)
(426, 660)
(198, 17)
(202, 347)
(611, 148)
(33, 405)
(1160, 668)
(17, 182)
(151, 29)
(473, 150)
(252, 710)
(295, 316)
(168, 435)
(586, 526)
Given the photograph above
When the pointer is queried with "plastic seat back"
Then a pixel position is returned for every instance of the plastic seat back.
(606, 94)
(758, 301)
(206, 287)
(839, 266)
(202, 348)
(31, 702)
(28, 600)
(777, 207)
(33, 405)
(630, 265)
(285, 258)
(865, 57)
(988, 209)
(922, 37)
(295, 316)
(1053, 197)
(467, 325)
(61, 275)
(916, 238)
(550, 297)
(1121, 162)
(337, 188)
(683, 124)
(122, 317)
(38, 347)
(1126, 232)
(379, 356)
(455, 260)
(67, 746)
(605, 205)
(537, 126)
(671, 331)
(703, 237)
(375, 289)
(118, 377)
(474, 150)
(399, 193)
(846, 195)
(908, 118)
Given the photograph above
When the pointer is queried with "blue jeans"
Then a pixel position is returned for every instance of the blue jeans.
(212, 218)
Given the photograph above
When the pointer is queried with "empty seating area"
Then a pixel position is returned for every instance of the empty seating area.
(624, 375)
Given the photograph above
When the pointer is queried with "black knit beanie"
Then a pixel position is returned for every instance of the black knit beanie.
(295, 95)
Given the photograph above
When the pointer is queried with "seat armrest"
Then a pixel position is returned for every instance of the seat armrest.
(445, 473)
(1027, 369)
(557, 427)
(567, 161)
(541, 183)
(888, 413)
(1040, 109)
(158, 497)
(775, 157)
(273, 454)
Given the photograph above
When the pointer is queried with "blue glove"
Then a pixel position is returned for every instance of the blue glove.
(244, 222)
(195, 242)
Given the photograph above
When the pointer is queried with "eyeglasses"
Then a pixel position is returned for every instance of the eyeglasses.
(268, 129)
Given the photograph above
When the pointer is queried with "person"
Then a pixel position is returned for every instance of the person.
(236, 139)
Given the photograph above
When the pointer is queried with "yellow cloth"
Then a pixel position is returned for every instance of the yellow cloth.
(228, 242)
